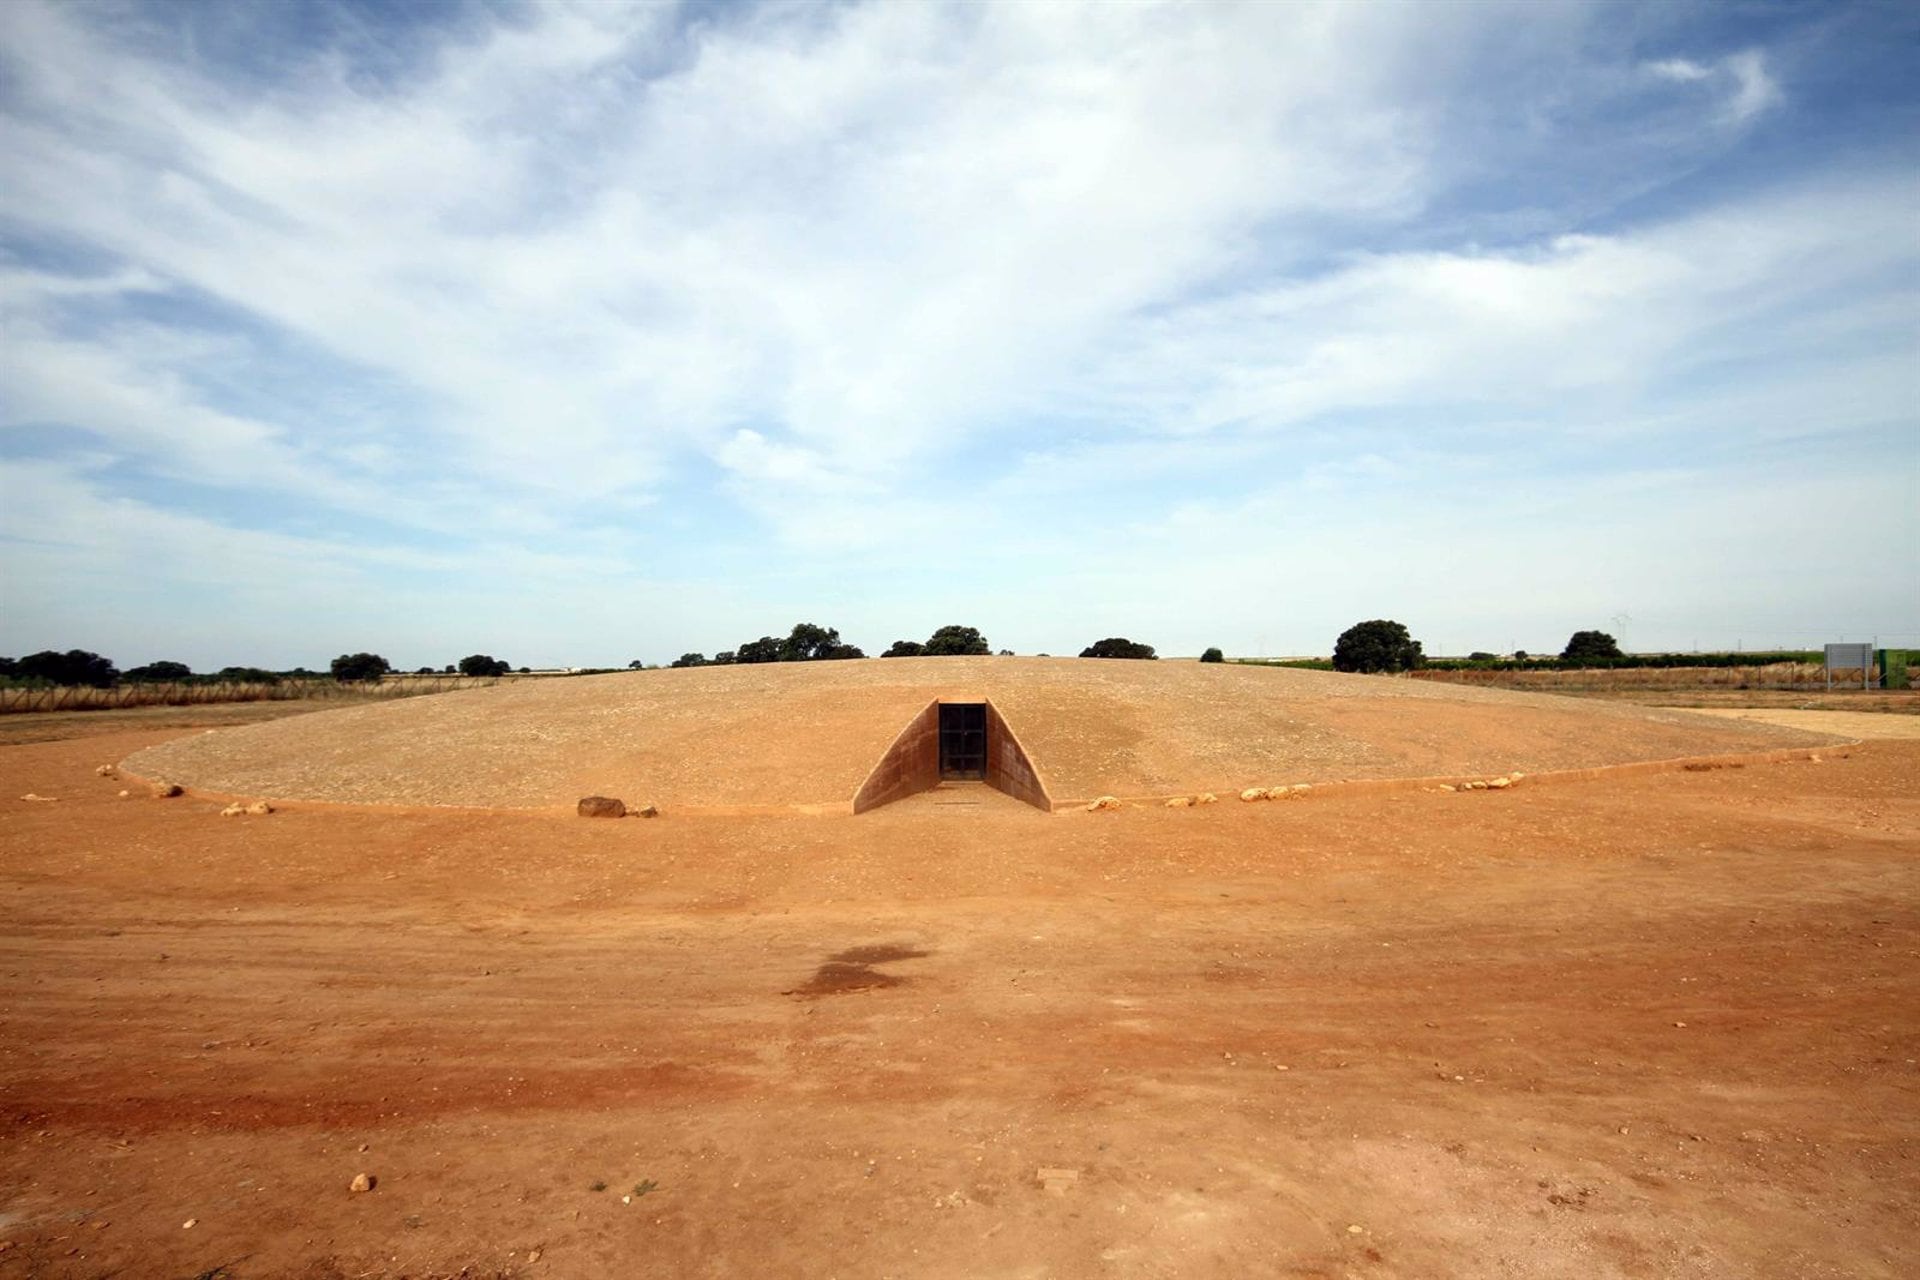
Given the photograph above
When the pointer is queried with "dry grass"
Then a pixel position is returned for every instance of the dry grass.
(1810, 676)
(20, 700)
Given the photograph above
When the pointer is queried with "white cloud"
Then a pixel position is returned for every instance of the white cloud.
(1743, 77)
(1682, 70)
(1585, 315)
(1755, 89)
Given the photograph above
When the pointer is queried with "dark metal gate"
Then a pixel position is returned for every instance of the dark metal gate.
(963, 740)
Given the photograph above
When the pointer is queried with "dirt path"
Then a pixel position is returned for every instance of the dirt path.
(1647, 1027)
(1845, 724)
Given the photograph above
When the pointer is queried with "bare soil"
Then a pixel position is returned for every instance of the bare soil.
(1631, 1026)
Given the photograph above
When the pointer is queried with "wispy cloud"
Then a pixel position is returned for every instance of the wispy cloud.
(1747, 86)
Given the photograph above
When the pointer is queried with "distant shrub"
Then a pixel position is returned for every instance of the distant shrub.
(1117, 647)
(159, 673)
(1480, 655)
(351, 668)
(74, 667)
(1378, 645)
(685, 660)
(246, 675)
(1587, 646)
(904, 649)
(1213, 655)
(481, 664)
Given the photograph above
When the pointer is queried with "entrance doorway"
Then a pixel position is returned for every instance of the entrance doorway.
(963, 740)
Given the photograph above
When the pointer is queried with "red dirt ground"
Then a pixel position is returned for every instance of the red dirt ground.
(1636, 1026)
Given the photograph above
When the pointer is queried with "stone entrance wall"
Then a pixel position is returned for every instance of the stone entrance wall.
(1008, 768)
(912, 763)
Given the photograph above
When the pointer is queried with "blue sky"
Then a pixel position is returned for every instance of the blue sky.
(583, 333)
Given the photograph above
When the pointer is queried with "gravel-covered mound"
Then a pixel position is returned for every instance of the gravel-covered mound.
(807, 733)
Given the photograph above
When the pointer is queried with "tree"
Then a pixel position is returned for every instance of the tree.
(74, 667)
(1118, 647)
(955, 641)
(725, 658)
(1521, 654)
(349, 668)
(1481, 655)
(687, 660)
(842, 651)
(808, 642)
(904, 649)
(765, 649)
(1585, 646)
(1213, 655)
(9, 668)
(159, 673)
(1379, 645)
(246, 675)
(481, 664)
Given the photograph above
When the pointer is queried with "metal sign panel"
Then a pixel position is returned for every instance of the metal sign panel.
(1850, 657)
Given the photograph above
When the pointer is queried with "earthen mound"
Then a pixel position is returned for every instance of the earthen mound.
(806, 734)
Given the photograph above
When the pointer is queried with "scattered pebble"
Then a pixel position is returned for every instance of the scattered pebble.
(105, 771)
(190, 1224)
(42, 799)
(164, 790)
(1354, 1229)
(362, 1182)
(259, 808)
